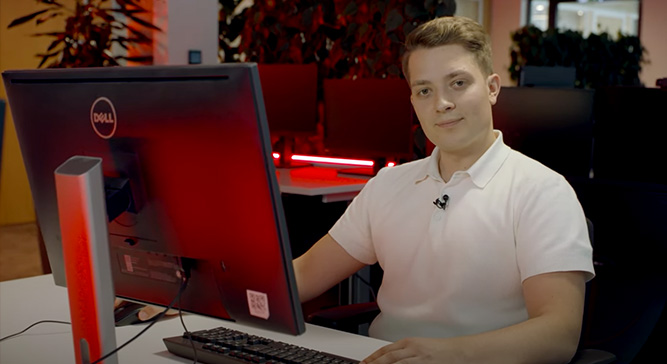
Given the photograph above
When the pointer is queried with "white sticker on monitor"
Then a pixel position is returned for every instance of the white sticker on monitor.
(258, 304)
(128, 263)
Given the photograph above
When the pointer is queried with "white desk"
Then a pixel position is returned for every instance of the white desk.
(26, 301)
(319, 181)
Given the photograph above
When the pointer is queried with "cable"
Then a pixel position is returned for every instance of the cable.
(187, 332)
(31, 326)
(184, 284)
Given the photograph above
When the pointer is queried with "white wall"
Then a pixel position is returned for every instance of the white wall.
(653, 30)
(505, 18)
(186, 25)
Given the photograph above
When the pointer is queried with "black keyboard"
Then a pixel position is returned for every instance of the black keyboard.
(226, 346)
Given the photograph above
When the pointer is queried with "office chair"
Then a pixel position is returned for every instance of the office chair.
(628, 309)
(350, 317)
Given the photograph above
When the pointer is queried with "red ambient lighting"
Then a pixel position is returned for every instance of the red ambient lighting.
(330, 160)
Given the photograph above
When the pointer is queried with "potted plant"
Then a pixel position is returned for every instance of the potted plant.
(91, 28)
(599, 59)
(347, 38)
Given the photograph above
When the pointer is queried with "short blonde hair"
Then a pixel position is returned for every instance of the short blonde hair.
(451, 30)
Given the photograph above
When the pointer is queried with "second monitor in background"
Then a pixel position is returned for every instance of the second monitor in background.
(552, 125)
(368, 119)
(290, 98)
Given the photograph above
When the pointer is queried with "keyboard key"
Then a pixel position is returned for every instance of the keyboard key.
(225, 346)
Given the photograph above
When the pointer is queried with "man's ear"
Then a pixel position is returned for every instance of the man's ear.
(493, 84)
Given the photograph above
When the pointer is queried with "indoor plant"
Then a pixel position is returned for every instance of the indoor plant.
(91, 28)
(599, 59)
(348, 38)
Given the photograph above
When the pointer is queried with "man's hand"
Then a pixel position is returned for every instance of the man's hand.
(147, 312)
(417, 350)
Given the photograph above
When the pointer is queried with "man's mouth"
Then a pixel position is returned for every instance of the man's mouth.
(448, 123)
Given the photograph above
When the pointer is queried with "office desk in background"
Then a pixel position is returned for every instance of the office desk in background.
(320, 181)
(26, 301)
(308, 221)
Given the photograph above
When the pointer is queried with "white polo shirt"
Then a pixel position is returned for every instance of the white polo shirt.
(458, 271)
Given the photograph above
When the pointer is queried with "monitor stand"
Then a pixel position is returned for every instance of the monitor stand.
(85, 241)
(285, 146)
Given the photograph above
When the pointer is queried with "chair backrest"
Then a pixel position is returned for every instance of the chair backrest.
(625, 307)
(551, 125)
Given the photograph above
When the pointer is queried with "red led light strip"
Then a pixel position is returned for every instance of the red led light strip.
(331, 160)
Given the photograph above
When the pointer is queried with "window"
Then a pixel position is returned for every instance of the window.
(586, 16)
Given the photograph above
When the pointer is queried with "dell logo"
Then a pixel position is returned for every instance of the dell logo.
(103, 118)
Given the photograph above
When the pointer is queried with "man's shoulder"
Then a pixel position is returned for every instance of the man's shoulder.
(530, 167)
(529, 175)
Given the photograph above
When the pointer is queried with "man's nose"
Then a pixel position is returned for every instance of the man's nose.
(444, 103)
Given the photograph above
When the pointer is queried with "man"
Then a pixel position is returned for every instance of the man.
(494, 270)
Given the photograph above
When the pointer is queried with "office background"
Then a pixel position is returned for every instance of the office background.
(17, 50)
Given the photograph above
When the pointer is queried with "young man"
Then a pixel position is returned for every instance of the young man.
(494, 271)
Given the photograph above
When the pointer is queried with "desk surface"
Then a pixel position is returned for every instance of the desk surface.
(320, 181)
(26, 301)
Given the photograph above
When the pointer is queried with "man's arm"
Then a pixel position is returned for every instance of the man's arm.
(555, 304)
(324, 265)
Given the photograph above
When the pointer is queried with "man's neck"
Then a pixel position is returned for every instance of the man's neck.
(453, 161)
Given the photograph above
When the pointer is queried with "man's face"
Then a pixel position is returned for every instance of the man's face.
(453, 98)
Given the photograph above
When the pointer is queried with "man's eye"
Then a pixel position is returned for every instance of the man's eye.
(423, 92)
(459, 83)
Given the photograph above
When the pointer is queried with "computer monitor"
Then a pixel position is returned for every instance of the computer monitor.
(368, 119)
(189, 146)
(552, 125)
(548, 76)
(290, 96)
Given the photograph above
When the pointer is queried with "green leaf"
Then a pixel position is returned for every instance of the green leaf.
(139, 59)
(144, 23)
(47, 17)
(54, 44)
(350, 9)
(130, 3)
(394, 20)
(51, 2)
(50, 34)
(26, 18)
(45, 57)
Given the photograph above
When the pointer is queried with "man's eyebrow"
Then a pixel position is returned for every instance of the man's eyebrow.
(457, 73)
(420, 83)
(449, 76)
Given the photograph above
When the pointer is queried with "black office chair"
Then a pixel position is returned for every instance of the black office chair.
(627, 304)
(351, 317)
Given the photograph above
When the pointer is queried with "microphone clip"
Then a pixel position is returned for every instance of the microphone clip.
(441, 202)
